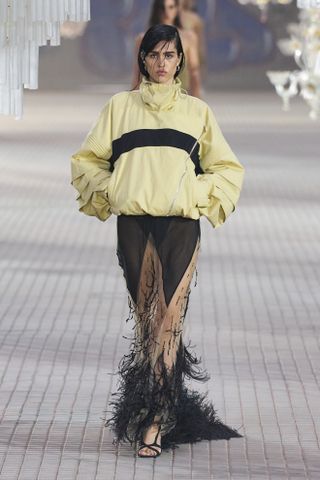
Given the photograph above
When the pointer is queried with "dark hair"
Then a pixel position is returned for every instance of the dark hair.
(157, 13)
(154, 35)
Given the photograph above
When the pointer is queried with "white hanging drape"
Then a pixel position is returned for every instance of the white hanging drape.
(25, 25)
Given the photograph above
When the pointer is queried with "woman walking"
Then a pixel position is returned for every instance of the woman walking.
(157, 159)
(168, 12)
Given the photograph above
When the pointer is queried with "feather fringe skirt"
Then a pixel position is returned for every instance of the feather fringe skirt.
(158, 258)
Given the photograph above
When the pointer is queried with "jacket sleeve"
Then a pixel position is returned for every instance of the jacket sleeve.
(90, 168)
(221, 182)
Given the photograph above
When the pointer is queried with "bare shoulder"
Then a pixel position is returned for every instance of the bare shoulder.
(198, 22)
(195, 19)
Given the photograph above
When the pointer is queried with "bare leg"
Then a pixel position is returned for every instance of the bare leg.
(165, 326)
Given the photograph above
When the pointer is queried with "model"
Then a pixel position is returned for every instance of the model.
(191, 20)
(168, 12)
(157, 159)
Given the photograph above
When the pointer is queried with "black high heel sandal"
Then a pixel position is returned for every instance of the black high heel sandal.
(151, 446)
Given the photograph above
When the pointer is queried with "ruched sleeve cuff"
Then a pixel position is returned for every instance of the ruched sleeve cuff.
(223, 175)
(90, 169)
(92, 185)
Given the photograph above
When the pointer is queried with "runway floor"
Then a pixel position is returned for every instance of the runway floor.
(253, 315)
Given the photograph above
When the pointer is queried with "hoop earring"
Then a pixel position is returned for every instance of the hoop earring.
(178, 68)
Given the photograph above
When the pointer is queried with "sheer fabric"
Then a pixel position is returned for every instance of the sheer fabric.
(158, 256)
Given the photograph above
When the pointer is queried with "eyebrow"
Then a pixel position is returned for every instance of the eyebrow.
(168, 51)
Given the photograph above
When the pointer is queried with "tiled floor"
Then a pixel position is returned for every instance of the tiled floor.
(253, 316)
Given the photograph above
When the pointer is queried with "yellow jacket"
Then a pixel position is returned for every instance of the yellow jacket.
(156, 151)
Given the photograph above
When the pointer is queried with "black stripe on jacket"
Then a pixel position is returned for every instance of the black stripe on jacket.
(158, 137)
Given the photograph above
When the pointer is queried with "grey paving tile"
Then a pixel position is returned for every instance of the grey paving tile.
(253, 316)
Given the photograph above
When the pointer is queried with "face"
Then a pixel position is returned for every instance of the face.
(162, 61)
(170, 11)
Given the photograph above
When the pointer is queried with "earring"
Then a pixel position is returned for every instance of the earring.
(178, 67)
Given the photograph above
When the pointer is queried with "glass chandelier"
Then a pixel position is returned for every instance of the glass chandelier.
(25, 25)
(304, 45)
(308, 3)
(263, 5)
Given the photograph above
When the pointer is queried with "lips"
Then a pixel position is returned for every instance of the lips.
(161, 72)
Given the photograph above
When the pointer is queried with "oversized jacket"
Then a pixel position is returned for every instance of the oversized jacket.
(157, 151)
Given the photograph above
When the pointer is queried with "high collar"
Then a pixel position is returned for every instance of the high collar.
(160, 96)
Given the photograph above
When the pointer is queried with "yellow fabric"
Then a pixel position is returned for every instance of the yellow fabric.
(156, 180)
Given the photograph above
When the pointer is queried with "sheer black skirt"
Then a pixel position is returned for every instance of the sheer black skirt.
(158, 257)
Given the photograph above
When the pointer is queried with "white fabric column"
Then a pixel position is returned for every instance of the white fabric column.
(25, 25)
